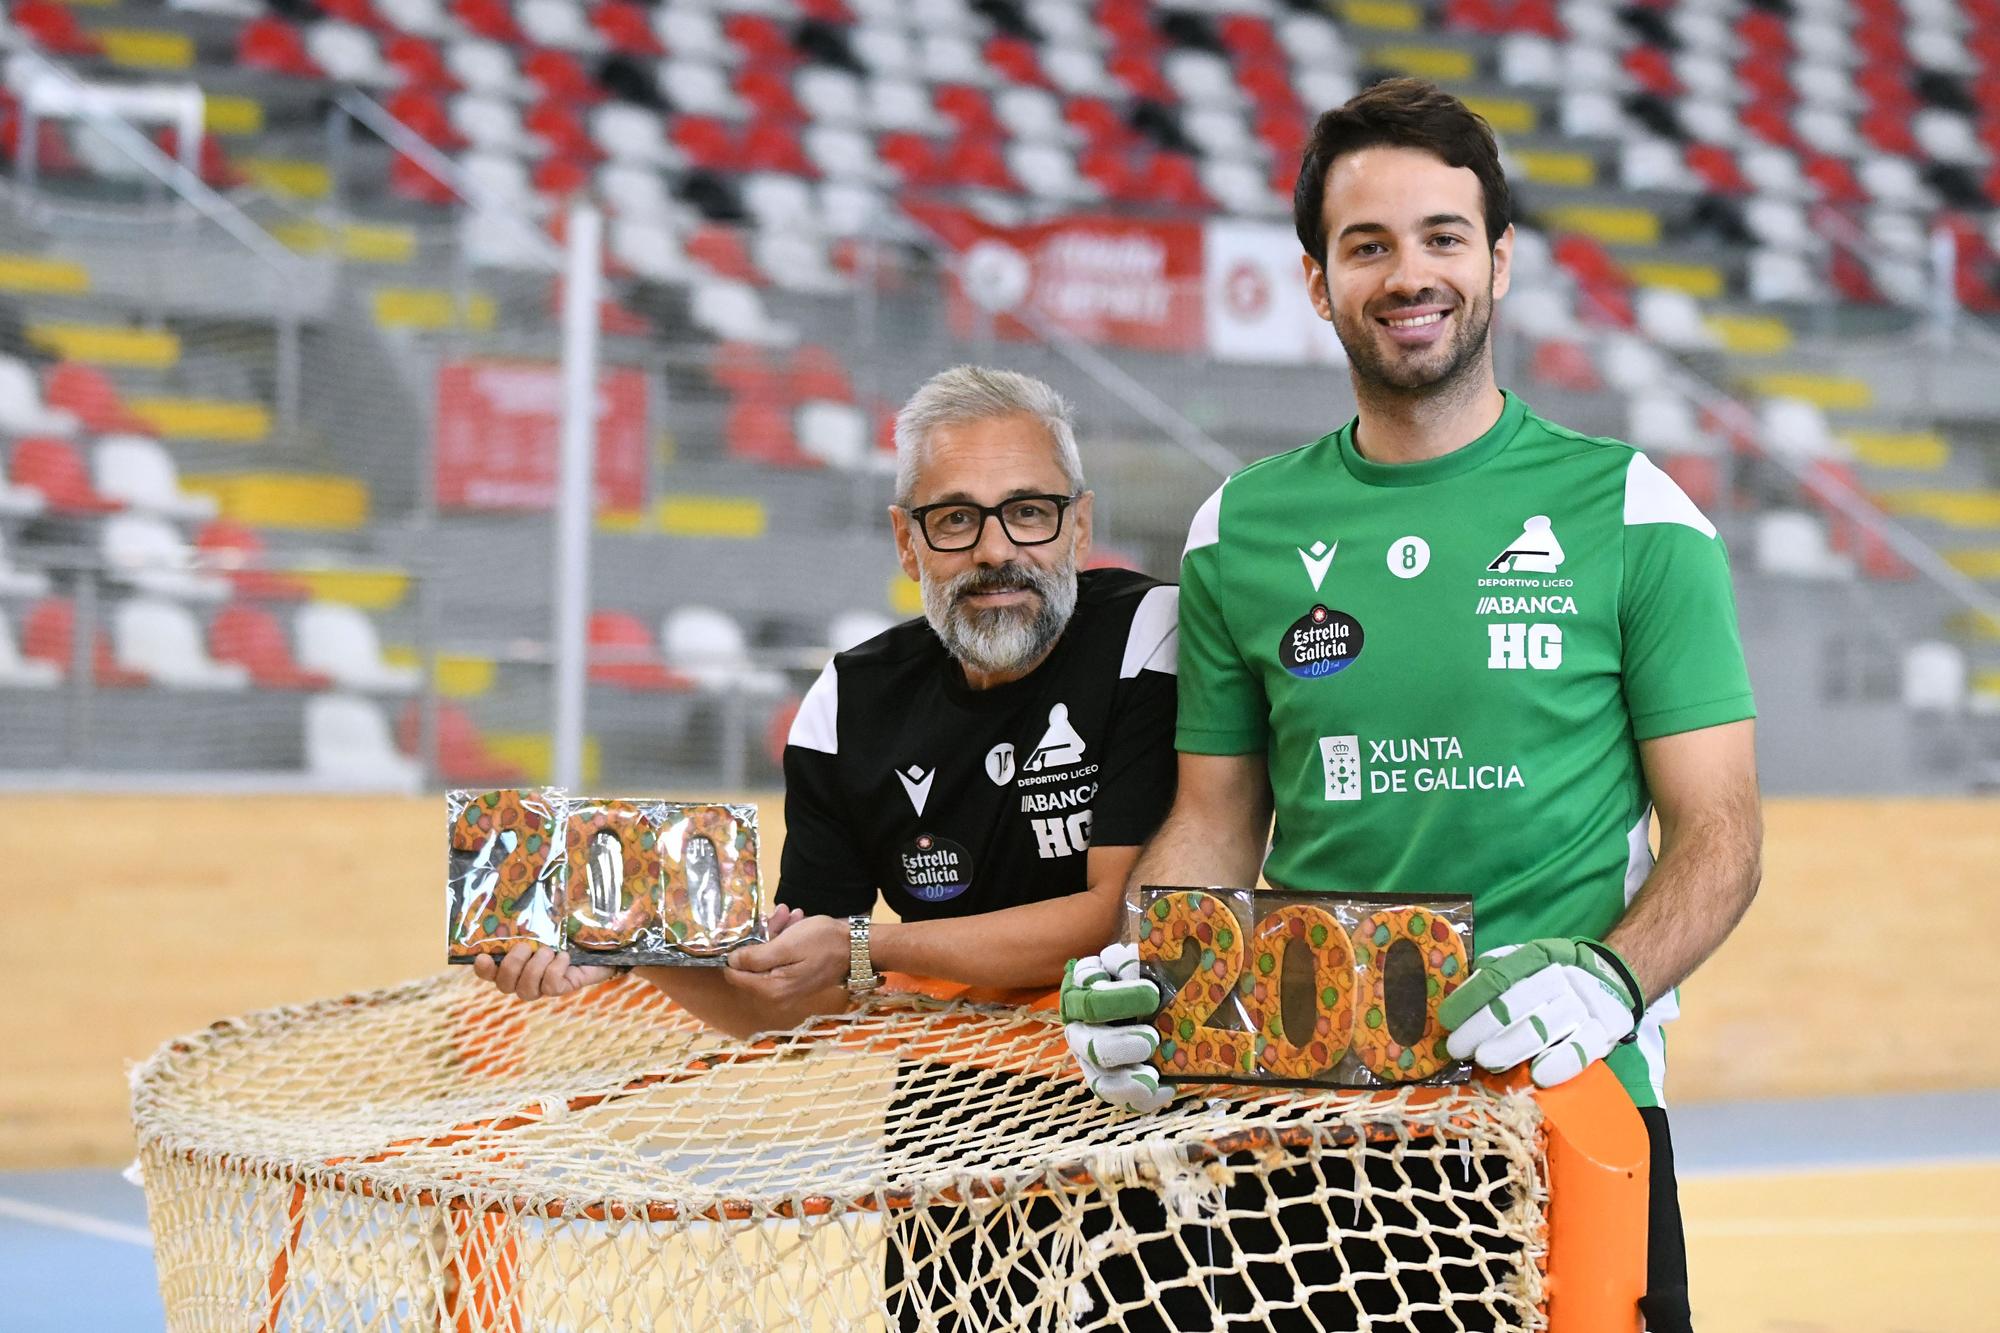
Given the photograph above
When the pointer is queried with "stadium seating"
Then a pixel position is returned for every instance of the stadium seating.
(252, 638)
(161, 640)
(463, 756)
(623, 653)
(146, 552)
(50, 634)
(23, 673)
(340, 642)
(709, 646)
(137, 471)
(348, 743)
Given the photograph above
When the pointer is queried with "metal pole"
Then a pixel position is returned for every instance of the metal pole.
(574, 487)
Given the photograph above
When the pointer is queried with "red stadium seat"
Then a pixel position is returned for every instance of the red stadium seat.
(562, 77)
(1536, 16)
(239, 552)
(420, 64)
(1129, 22)
(361, 13)
(273, 45)
(1173, 179)
(489, 18)
(409, 180)
(1653, 69)
(1835, 178)
(54, 28)
(745, 370)
(721, 250)
(1766, 79)
(1249, 35)
(560, 177)
(1111, 169)
(708, 142)
(213, 167)
(761, 433)
(627, 27)
(770, 92)
(252, 637)
(90, 394)
(771, 144)
(424, 114)
(969, 107)
(1770, 119)
(1588, 260)
(564, 132)
(762, 40)
(463, 755)
(624, 653)
(1139, 72)
(913, 157)
(1851, 279)
(1766, 33)
(52, 467)
(1015, 58)
(1887, 128)
(1699, 476)
(817, 372)
(1717, 168)
(53, 154)
(1097, 119)
(1485, 16)
(1562, 364)
(50, 636)
(975, 163)
(826, 11)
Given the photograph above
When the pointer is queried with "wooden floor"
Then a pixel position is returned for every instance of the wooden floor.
(1858, 971)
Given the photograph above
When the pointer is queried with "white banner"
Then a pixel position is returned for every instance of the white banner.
(1254, 295)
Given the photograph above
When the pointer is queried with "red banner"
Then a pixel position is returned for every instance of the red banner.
(1124, 281)
(498, 424)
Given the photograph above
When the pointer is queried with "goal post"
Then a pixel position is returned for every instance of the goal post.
(438, 1156)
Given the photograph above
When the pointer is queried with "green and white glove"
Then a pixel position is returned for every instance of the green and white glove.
(1559, 1004)
(1102, 996)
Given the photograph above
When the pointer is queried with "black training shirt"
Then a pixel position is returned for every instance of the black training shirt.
(954, 801)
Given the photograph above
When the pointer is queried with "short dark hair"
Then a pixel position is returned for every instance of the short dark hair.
(1399, 113)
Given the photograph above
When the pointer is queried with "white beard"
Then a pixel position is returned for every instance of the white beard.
(1001, 640)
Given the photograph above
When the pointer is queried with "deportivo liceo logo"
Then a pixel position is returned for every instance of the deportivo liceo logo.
(1059, 747)
(1318, 562)
(1535, 551)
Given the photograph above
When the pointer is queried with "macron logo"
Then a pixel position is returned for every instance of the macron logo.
(1318, 562)
(918, 784)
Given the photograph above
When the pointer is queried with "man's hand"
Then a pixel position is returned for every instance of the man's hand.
(533, 972)
(804, 956)
(1559, 1004)
(1102, 995)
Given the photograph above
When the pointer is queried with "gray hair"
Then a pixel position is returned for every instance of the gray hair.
(966, 394)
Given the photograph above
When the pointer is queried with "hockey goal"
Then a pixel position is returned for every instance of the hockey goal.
(438, 1156)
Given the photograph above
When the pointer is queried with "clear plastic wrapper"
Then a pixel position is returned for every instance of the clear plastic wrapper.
(1319, 989)
(616, 881)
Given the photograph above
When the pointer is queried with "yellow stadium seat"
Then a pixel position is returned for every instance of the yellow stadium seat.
(1507, 115)
(1955, 509)
(1980, 563)
(457, 675)
(430, 309)
(711, 516)
(290, 177)
(1701, 281)
(34, 274)
(1908, 451)
(1382, 15)
(1830, 393)
(1611, 224)
(1751, 335)
(906, 597)
(533, 753)
(1549, 167)
(225, 114)
(1444, 64)
(286, 500)
(109, 344)
(147, 48)
(205, 419)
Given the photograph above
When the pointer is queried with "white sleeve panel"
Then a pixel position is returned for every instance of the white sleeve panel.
(1651, 496)
(816, 727)
(1206, 530)
(1153, 644)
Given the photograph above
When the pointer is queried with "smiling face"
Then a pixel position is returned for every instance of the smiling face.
(1408, 280)
(998, 607)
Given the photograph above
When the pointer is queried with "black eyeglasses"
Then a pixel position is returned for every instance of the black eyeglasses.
(1028, 520)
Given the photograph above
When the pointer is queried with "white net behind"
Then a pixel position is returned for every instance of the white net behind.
(439, 1156)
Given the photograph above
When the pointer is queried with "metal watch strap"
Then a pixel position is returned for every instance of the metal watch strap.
(861, 974)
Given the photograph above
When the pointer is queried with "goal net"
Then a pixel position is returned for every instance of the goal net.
(438, 1156)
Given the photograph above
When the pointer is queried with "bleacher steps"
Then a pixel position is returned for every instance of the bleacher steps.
(38, 275)
(286, 500)
(1829, 393)
(110, 344)
(223, 420)
(1903, 451)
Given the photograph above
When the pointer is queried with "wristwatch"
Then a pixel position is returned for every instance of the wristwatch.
(861, 974)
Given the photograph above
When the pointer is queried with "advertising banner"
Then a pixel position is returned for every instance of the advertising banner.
(499, 423)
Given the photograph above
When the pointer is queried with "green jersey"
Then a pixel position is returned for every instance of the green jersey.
(1448, 666)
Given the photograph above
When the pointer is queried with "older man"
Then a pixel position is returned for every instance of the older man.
(989, 770)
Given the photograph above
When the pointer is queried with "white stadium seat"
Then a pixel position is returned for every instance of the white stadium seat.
(1530, 61)
(651, 251)
(1796, 428)
(1541, 312)
(423, 18)
(699, 87)
(22, 411)
(831, 96)
(1784, 277)
(492, 125)
(1656, 164)
(633, 135)
(709, 646)
(138, 470)
(1313, 39)
(886, 50)
(1032, 114)
(348, 744)
(1935, 678)
(561, 24)
(1241, 189)
(1202, 78)
(1775, 172)
(1076, 70)
(778, 202)
(1661, 422)
(17, 501)
(691, 30)
(948, 57)
(834, 433)
(845, 154)
(850, 208)
(1672, 319)
(1946, 136)
(162, 640)
(146, 552)
(502, 180)
(851, 629)
(341, 642)
(1631, 364)
(797, 260)
(1792, 544)
(486, 68)
(349, 54)
(902, 104)
(733, 311)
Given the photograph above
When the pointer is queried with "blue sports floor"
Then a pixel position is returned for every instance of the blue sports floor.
(75, 1256)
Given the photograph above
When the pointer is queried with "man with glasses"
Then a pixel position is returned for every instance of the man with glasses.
(990, 769)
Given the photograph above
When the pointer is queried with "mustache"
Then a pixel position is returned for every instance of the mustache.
(1428, 296)
(1009, 577)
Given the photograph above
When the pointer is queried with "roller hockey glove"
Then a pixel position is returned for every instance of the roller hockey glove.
(1105, 1002)
(1558, 1004)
